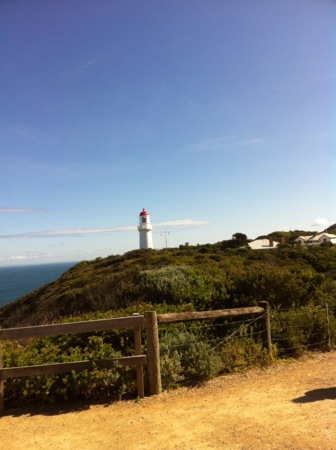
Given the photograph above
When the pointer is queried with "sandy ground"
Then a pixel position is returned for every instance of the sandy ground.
(291, 405)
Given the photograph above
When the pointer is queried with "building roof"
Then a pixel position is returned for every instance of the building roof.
(260, 244)
(317, 237)
(144, 213)
(304, 238)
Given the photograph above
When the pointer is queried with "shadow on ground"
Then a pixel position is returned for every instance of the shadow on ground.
(317, 395)
(51, 410)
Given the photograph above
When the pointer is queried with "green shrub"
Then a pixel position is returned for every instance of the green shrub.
(201, 362)
(171, 369)
(241, 353)
(191, 352)
(297, 330)
(186, 358)
(196, 354)
(97, 383)
(177, 285)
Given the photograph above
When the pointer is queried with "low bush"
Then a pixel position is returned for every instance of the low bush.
(298, 330)
(185, 358)
(94, 384)
(242, 353)
(191, 352)
(196, 354)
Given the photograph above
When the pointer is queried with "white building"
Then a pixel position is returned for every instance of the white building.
(145, 230)
(316, 239)
(263, 244)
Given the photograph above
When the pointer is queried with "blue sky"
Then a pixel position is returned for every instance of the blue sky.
(217, 117)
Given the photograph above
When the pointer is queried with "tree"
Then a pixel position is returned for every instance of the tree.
(241, 238)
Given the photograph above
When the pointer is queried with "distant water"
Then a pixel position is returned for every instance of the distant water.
(17, 281)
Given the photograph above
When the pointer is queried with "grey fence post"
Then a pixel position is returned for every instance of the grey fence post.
(2, 390)
(267, 338)
(153, 353)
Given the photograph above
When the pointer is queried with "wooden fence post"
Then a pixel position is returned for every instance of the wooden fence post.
(139, 369)
(153, 353)
(2, 389)
(267, 338)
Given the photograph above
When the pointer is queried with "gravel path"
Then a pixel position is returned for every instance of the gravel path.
(291, 405)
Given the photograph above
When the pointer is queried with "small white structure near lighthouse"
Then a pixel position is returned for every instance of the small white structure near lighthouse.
(145, 230)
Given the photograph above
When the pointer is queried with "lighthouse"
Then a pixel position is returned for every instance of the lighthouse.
(145, 230)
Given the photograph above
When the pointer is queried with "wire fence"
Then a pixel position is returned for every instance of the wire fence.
(190, 351)
(194, 351)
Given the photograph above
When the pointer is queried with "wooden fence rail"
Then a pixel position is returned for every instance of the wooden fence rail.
(71, 328)
(202, 315)
(151, 319)
(138, 361)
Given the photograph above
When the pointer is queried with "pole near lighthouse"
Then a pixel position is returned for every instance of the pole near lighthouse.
(145, 230)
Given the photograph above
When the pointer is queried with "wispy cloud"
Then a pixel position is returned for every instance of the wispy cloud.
(211, 144)
(11, 210)
(81, 69)
(65, 233)
(86, 66)
(33, 135)
(225, 143)
(15, 258)
(185, 223)
(248, 142)
(27, 256)
(320, 222)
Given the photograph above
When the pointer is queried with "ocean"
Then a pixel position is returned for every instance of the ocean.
(17, 281)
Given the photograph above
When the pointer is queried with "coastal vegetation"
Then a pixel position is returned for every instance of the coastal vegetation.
(297, 282)
(208, 276)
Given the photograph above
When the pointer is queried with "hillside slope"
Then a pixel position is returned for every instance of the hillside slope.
(207, 276)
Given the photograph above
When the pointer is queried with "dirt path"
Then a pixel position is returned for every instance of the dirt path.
(291, 405)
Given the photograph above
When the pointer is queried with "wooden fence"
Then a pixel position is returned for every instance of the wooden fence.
(136, 322)
(151, 320)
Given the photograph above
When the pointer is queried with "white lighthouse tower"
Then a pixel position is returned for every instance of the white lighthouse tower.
(145, 230)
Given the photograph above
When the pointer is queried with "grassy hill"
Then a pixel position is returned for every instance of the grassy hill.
(206, 276)
(297, 282)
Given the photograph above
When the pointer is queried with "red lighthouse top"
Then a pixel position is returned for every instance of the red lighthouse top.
(144, 212)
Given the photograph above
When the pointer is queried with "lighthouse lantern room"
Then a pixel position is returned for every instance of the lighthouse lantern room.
(145, 230)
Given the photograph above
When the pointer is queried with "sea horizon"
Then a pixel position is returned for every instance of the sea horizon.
(17, 281)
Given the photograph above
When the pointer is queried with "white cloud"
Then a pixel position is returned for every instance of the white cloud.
(19, 210)
(225, 142)
(185, 223)
(33, 135)
(64, 233)
(320, 222)
(255, 141)
(86, 66)
(212, 144)
(81, 70)
(28, 256)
